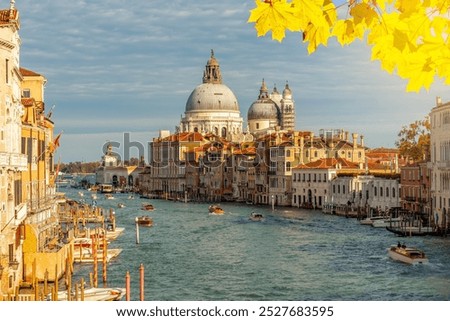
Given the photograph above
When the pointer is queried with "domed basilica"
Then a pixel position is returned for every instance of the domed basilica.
(272, 111)
(213, 108)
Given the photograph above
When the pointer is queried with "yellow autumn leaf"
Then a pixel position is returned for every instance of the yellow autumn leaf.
(364, 13)
(316, 35)
(275, 16)
(409, 37)
(407, 6)
(422, 76)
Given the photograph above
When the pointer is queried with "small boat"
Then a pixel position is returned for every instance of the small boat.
(109, 196)
(256, 217)
(147, 207)
(387, 222)
(370, 219)
(144, 220)
(93, 294)
(215, 210)
(121, 205)
(408, 255)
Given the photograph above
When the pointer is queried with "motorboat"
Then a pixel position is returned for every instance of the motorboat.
(370, 219)
(121, 205)
(144, 220)
(109, 196)
(392, 222)
(92, 294)
(410, 255)
(147, 207)
(256, 217)
(215, 210)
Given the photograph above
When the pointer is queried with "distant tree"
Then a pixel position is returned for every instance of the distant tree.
(414, 140)
(79, 167)
(409, 37)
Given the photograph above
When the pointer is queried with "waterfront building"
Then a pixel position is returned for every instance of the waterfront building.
(212, 106)
(415, 189)
(113, 172)
(271, 111)
(440, 163)
(311, 181)
(216, 175)
(13, 162)
(243, 170)
(384, 193)
(41, 239)
(172, 156)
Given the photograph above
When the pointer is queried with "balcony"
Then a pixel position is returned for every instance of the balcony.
(14, 160)
(14, 265)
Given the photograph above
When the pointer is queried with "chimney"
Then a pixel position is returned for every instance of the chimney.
(362, 140)
(438, 101)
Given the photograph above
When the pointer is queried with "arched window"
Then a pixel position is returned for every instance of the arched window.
(393, 191)
(375, 191)
(224, 132)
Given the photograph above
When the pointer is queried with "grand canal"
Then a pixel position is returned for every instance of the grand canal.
(294, 254)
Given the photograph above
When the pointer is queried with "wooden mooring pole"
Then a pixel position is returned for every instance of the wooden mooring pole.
(141, 282)
(127, 286)
(105, 252)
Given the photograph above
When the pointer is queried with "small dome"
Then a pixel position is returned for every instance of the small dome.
(262, 109)
(209, 97)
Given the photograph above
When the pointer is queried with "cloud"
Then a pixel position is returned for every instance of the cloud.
(114, 66)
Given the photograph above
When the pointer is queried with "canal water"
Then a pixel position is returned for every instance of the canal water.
(294, 254)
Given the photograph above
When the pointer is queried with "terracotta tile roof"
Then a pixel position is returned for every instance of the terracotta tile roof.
(245, 151)
(329, 163)
(183, 137)
(27, 72)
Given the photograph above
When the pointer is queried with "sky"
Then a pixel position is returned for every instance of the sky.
(122, 70)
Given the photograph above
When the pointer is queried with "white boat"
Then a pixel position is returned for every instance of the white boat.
(394, 222)
(109, 196)
(93, 294)
(256, 217)
(370, 220)
(408, 255)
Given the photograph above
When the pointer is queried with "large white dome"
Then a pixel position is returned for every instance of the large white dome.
(212, 107)
(212, 97)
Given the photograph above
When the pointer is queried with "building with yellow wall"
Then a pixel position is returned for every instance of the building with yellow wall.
(13, 207)
(41, 247)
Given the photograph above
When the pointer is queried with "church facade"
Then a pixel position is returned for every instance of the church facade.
(212, 107)
(272, 111)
